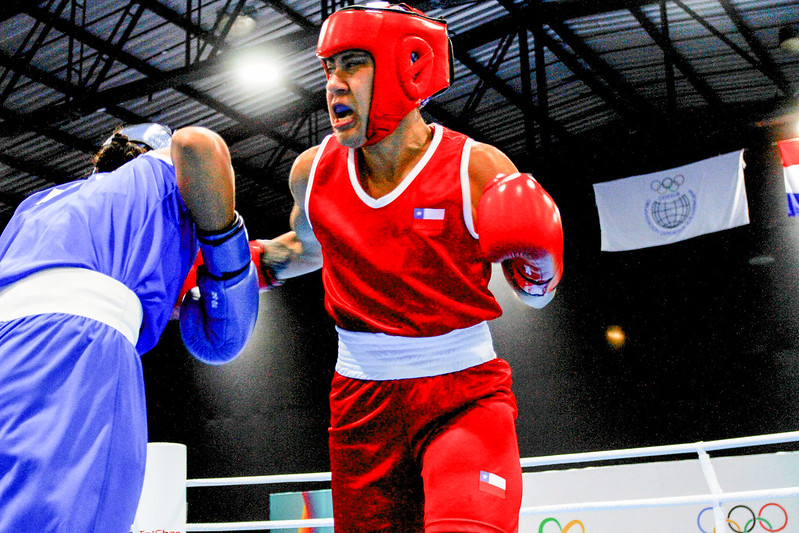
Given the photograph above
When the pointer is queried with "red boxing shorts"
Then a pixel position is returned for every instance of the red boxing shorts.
(432, 454)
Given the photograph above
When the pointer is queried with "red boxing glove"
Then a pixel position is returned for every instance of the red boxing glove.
(266, 276)
(189, 283)
(267, 279)
(519, 225)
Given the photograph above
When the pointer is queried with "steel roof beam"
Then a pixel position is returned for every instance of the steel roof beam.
(142, 66)
(677, 59)
(511, 95)
(599, 76)
(767, 65)
(292, 15)
(586, 65)
(54, 113)
(39, 170)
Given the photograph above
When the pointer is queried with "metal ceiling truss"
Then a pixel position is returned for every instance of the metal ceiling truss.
(92, 57)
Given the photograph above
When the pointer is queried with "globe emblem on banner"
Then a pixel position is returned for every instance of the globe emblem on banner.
(673, 209)
(671, 213)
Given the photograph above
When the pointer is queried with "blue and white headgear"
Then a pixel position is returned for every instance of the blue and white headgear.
(149, 134)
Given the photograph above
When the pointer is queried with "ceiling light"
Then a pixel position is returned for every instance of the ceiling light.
(789, 38)
(242, 26)
(244, 23)
(257, 71)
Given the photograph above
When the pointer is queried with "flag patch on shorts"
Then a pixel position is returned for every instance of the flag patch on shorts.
(492, 484)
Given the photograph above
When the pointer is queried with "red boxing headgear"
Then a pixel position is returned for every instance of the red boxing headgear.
(411, 52)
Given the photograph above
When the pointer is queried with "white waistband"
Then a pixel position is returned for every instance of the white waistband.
(377, 356)
(74, 291)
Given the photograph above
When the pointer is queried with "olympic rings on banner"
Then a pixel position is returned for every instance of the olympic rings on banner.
(667, 185)
(751, 522)
(566, 529)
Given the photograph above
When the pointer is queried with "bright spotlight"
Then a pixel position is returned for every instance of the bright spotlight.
(256, 72)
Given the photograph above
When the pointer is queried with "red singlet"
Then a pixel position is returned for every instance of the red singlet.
(409, 262)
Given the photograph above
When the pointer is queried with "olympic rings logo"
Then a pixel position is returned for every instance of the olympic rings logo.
(565, 529)
(667, 185)
(746, 516)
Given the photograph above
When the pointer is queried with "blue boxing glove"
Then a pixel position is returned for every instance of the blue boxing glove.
(217, 325)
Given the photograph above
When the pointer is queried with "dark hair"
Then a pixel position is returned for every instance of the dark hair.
(115, 154)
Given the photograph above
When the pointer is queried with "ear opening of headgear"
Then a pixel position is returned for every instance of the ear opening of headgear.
(150, 135)
(411, 51)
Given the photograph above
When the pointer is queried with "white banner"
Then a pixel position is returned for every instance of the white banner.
(789, 153)
(672, 205)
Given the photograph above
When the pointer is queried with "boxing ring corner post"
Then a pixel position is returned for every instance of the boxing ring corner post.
(163, 501)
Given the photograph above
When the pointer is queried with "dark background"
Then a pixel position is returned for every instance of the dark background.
(711, 347)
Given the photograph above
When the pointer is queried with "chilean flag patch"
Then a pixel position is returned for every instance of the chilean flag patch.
(422, 213)
(427, 219)
(492, 484)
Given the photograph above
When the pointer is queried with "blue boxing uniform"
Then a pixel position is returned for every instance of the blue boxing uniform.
(89, 273)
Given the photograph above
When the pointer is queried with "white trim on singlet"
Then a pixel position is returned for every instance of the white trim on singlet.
(466, 187)
(316, 158)
(74, 291)
(380, 357)
(375, 203)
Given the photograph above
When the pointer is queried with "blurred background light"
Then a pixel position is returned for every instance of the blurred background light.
(615, 336)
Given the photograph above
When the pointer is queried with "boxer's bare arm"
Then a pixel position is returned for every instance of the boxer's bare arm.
(205, 176)
(295, 252)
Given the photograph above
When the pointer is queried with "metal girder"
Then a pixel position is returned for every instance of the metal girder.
(486, 33)
(511, 95)
(668, 66)
(132, 15)
(440, 114)
(98, 100)
(564, 10)
(202, 69)
(527, 90)
(11, 8)
(18, 122)
(767, 65)
(182, 22)
(622, 99)
(293, 16)
(480, 89)
(54, 113)
(26, 50)
(585, 64)
(44, 172)
(541, 85)
(548, 26)
(677, 58)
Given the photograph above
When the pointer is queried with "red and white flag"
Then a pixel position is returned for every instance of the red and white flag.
(427, 219)
(789, 153)
(492, 484)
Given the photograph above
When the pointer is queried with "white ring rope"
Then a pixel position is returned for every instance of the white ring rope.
(257, 526)
(258, 480)
(653, 451)
(700, 448)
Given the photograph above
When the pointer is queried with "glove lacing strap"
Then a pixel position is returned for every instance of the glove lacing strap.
(226, 252)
